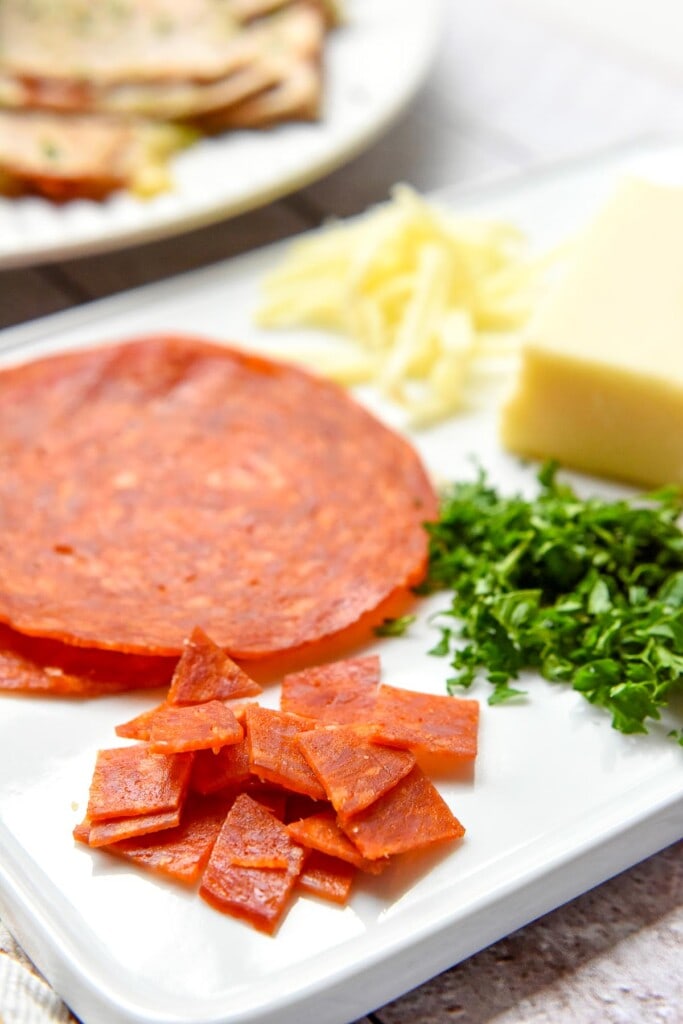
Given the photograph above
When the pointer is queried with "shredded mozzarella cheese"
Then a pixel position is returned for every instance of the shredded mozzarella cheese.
(425, 298)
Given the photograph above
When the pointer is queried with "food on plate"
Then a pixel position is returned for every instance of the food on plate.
(336, 693)
(233, 818)
(113, 830)
(426, 723)
(140, 727)
(322, 832)
(172, 480)
(205, 672)
(274, 754)
(38, 666)
(129, 781)
(426, 298)
(86, 156)
(409, 816)
(394, 626)
(162, 74)
(99, 97)
(326, 877)
(251, 840)
(179, 853)
(145, 41)
(586, 591)
(206, 726)
(354, 770)
(601, 380)
(259, 895)
(215, 770)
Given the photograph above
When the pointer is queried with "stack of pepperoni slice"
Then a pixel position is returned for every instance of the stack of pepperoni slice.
(148, 486)
(254, 803)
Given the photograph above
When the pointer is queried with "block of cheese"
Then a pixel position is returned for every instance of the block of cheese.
(600, 386)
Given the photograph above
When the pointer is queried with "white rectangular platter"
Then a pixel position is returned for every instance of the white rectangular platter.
(558, 801)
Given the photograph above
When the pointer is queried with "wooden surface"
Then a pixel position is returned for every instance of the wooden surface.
(515, 83)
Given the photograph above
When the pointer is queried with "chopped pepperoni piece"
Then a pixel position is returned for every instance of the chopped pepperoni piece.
(327, 877)
(205, 672)
(197, 727)
(212, 772)
(81, 831)
(239, 708)
(112, 829)
(258, 895)
(139, 728)
(425, 723)
(253, 838)
(354, 771)
(274, 754)
(338, 693)
(180, 449)
(34, 665)
(130, 781)
(180, 853)
(321, 832)
(410, 816)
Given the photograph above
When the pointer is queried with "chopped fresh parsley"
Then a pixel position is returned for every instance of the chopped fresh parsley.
(394, 627)
(586, 592)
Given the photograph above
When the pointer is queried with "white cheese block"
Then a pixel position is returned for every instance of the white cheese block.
(600, 386)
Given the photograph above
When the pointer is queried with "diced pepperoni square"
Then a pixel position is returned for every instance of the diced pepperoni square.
(207, 726)
(274, 754)
(239, 708)
(205, 672)
(321, 832)
(257, 894)
(228, 766)
(81, 832)
(180, 853)
(337, 693)
(253, 838)
(139, 728)
(130, 781)
(113, 829)
(426, 724)
(410, 816)
(326, 877)
(353, 770)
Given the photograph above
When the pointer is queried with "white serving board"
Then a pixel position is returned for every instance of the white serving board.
(558, 801)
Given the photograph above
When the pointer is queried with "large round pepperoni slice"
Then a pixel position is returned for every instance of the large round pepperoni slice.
(165, 483)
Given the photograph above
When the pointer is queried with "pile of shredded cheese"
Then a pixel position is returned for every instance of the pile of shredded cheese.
(424, 297)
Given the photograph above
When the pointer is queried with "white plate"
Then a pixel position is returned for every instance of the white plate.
(373, 65)
(558, 802)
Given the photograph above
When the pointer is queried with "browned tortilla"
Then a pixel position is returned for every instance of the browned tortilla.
(81, 156)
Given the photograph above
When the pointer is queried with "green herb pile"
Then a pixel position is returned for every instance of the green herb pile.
(587, 592)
